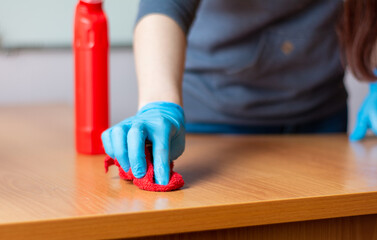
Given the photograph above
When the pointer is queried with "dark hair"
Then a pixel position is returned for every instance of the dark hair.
(358, 36)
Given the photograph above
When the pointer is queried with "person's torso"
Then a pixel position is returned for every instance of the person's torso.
(251, 61)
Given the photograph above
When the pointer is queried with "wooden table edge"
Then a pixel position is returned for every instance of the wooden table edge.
(170, 221)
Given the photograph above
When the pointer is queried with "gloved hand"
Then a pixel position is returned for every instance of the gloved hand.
(163, 124)
(367, 116)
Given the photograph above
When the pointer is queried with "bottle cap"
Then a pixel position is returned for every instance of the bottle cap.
(92, 1)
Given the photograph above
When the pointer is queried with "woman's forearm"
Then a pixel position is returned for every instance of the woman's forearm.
(159, 47)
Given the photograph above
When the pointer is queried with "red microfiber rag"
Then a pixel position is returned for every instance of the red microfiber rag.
(147, 182)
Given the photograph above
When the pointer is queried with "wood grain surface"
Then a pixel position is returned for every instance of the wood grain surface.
(231, 181)
(345, 228)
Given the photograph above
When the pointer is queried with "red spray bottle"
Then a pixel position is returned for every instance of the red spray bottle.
(91, 76)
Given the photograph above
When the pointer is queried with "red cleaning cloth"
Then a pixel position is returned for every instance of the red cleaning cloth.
(147, 182)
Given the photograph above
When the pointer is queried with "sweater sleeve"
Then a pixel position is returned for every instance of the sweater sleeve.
(181, 11)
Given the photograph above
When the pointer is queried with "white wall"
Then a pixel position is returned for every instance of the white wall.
(32, 77)
(47, 76)
(46, 23)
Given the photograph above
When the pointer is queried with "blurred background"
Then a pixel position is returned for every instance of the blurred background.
(36, 61)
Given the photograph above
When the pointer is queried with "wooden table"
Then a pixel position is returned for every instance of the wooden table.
(237, 187)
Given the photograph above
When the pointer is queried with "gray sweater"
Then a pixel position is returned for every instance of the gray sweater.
(258, 62)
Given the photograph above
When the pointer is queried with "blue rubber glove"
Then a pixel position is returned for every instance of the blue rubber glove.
(367, 116)
(163, 124)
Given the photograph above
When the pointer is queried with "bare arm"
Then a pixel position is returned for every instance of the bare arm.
(159, 46)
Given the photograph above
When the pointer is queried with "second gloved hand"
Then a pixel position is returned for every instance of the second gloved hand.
(163, 124)
(367, 116)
